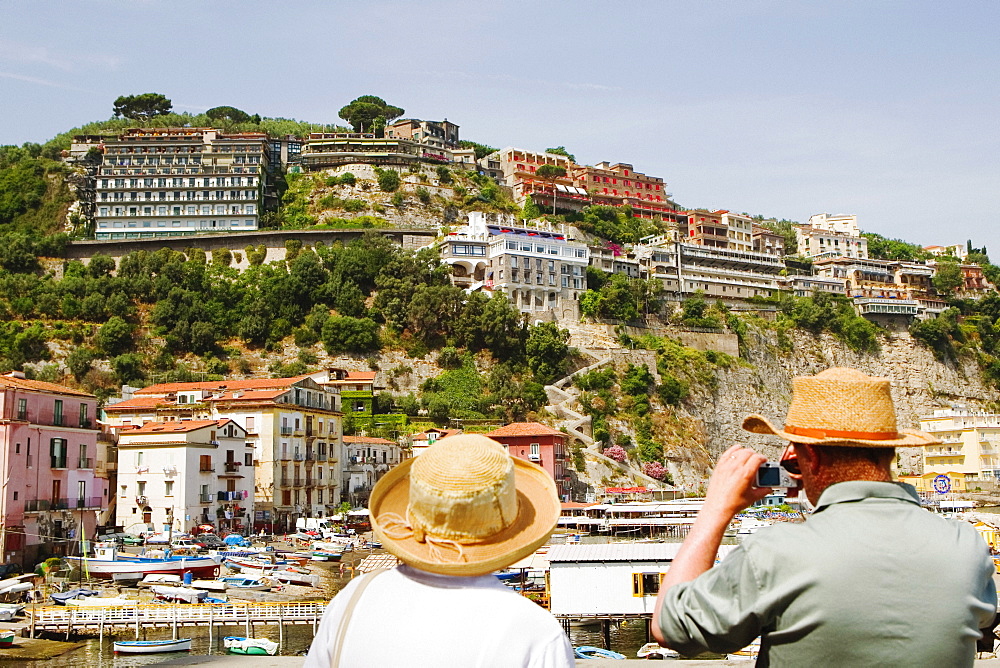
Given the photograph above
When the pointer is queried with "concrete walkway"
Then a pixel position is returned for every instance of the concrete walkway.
(288, 661)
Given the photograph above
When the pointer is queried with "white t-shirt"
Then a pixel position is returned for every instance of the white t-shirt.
(407, 617)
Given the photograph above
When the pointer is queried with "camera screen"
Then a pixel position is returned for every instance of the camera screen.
(769, 476)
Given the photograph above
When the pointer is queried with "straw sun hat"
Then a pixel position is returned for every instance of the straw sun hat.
(841, 407)
(464, 507)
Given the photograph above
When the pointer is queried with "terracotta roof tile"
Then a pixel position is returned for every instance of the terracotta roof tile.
(136, 403)
(357, 440)
(175, 426)
(252, 383)
(41, 386)
(525, 429)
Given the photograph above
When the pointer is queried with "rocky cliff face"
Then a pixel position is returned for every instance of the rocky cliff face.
(763, 385)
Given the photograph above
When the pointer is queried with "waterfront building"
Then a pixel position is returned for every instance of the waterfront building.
(970, 445)
(540, 270)
(178, 474)
(294, 425)
(50, 494)
(163, 182)
(425, 439)
(366, 460)
(842, 223)
(819, 243)
(612, 579)
(537, 443)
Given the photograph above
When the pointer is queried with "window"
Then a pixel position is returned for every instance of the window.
(140, 488)
(84, 421)
(124, 491)
(22, 409)
(248, 459)
(57, 453)
(250, 425)
(57, 413)
(646, 584)
(205, 463)
(168, 488)
(138, 458)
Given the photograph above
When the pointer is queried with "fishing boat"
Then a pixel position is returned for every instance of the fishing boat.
(7, 638)
(251, 646)
(152, 646)
(102, 602)
(107, 565)
(60, 598)
(324, 555)
(9, 610)
(588, 652)
(164, 579)
(653, 650)
(178, 594)
(296, 577)
(245, 583)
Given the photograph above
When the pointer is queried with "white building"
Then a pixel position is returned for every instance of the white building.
(820, 243)
(366, 459)
(739, 231)
(179, 474)
(162, 182)
(959, 251)
(611, 578)
(970, 443)
(836, 223)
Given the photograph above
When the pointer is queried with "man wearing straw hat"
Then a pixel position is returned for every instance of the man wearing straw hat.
(869, 579)
(459, 511)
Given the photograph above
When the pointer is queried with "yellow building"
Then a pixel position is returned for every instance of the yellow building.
(925, 483)
(970, 445)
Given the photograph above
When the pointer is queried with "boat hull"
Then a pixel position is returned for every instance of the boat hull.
(152, 646)
(104, 569)
(6, 638)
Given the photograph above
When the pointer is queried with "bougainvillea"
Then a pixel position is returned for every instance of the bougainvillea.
(653, 469)
(616, 452)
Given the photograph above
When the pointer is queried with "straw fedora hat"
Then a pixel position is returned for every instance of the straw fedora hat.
(464, 507)
(841, 407)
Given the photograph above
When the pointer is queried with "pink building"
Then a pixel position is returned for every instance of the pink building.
(537, 443)
(50, 497)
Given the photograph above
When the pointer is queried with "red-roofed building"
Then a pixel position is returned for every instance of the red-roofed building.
(178, 474)
(50, 494)
(539, 444)
(294, 425)
(425, 439)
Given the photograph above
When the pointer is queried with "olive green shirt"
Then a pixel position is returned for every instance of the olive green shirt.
(871, 579)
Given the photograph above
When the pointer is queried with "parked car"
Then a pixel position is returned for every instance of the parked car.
(209, 541)
(185, 545)
(121, 538)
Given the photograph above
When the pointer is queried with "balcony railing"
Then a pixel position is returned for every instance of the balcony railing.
(286, 431)
(310, 456)
(309, 481)
(299, 457)
(297, 482)
(285, 481)
(233, 467)
(92, 502)
(86, 463)
(285, 457)
(205, 498)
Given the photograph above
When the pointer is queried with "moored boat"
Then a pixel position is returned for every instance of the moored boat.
(7, 638)
(102, 602)
(588, 652)
(106, 564)
(250, 646)
(152, 646)
(249, 584)
(653, 650)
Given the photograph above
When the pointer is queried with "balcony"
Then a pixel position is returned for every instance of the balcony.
(86, 463)
(297, 482)
(92, 502)
(205, 498)
(285, 481)
(309, 481)
(310, 456)
(206, 469)
(233, 467)
(299, 457)
(285, 457)
(286, 431)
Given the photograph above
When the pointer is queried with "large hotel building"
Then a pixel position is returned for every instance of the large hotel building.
(162, 182)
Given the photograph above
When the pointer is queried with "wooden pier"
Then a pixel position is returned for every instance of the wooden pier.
(118, 619)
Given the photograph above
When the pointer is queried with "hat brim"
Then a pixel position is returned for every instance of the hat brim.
(758, 424)
(537, 515)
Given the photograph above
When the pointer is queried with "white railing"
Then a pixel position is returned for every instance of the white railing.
(153, 614)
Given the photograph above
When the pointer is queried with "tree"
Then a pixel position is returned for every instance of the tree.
(369, 111)
(388, 180)
(114, 337)
(550, 174)
(346, 334)
(546, 351)
(561, 150)
(228, 114)
(142, 107)
(948, 277)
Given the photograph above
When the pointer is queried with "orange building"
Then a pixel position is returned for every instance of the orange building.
(618, 184)
(707, 228)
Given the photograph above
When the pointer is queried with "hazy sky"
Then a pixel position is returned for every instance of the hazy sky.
(883, 109)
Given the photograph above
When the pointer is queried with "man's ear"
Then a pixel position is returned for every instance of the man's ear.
(814, 456)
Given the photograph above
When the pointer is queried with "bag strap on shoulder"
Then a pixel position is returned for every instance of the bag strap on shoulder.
(345, 619)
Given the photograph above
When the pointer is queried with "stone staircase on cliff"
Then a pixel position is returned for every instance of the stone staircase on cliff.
(576, 423)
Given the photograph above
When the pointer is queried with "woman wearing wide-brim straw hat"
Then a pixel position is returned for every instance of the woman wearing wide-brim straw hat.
(459, 511)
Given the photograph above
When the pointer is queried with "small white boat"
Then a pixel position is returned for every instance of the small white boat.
(102, 602)
(178, 594)
(750, 525)
(653, 650)
(748, 653)
(250, 646)
(9, 610)
(152, 646)
(245, 583)
(167, 579)
(296, 578)
(210, 585)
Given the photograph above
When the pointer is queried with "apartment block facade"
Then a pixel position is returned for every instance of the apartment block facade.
(618, 184)
(179, 474)
(842, 223)
(539, 444)
(50, 495)
(818, 243)
(294, 425)
(970, 443)
(163, 182)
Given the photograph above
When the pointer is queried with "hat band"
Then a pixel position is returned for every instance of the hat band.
(836, 433)
(399, 528)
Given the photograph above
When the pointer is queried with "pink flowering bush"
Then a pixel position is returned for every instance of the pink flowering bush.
(654, 470)
(616, 452)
